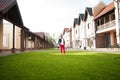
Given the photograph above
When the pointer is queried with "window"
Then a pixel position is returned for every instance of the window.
(5, 40)
(76, 31)
(88, 25)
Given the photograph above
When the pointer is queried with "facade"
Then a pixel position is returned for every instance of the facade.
(67, 37)
(13, 34)
(31, 41)
(8, 38)
(82, 31)
(117, 18)
(76, 34)
(98, 27)
(89, 28)
(106, 28)
(9, 11)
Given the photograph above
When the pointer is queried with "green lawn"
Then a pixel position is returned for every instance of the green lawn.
(51, 65)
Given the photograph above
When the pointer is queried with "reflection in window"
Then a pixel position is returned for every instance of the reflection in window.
(5, 40)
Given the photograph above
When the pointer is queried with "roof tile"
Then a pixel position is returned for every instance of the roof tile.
(5, 3)
(106, 9)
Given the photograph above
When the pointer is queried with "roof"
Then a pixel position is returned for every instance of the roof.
(108, 8)
(41, 34)
(4, 4)
(32, 35)
(66, 29)
(81, 18)
(9, 11)
(75, 22)
(44, 36)
(89, 11)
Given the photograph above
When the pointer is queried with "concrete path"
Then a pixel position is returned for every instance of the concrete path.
(112, 50)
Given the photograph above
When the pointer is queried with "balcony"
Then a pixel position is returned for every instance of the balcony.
(106, 25)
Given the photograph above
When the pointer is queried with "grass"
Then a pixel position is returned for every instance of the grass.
(51, 65)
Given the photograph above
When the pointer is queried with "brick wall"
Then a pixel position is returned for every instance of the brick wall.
(100, 41)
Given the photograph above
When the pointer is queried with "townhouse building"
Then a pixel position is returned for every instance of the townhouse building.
(89, 28)
(107, 28)
(76, 34)
(13, 34)
(67, 37)
(9, 11)
(98, 27)
(82, 31)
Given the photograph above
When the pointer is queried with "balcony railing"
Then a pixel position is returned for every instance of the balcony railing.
(106, 25)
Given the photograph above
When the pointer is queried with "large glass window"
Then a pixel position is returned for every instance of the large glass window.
(5, 40)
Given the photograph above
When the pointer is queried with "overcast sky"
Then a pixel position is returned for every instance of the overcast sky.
(52, 15)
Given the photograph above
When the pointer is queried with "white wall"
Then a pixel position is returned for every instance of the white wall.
(90, 31)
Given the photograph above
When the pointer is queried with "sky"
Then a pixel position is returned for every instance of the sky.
(52, 16)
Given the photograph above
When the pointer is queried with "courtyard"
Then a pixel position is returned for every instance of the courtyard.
(51, 65)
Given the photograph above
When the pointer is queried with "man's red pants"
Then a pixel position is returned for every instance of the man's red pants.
(62, 49)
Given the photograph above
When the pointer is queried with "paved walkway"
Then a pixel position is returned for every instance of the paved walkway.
(112, 50)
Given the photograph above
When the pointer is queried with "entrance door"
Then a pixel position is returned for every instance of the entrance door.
(107, 40)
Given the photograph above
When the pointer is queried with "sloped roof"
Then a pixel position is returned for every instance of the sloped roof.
(108, 8)
(81, 18)
(75, 22)
(9, 11)
(66, 29)
(89, 11)
(41, 34)
(32, 35)
(4, 4)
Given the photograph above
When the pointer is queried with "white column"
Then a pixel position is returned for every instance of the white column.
(112, 38)
(1, 34)
(117, 22)
(73, 37)
(93, 25)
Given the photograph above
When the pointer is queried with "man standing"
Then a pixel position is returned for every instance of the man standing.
(62, 44)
